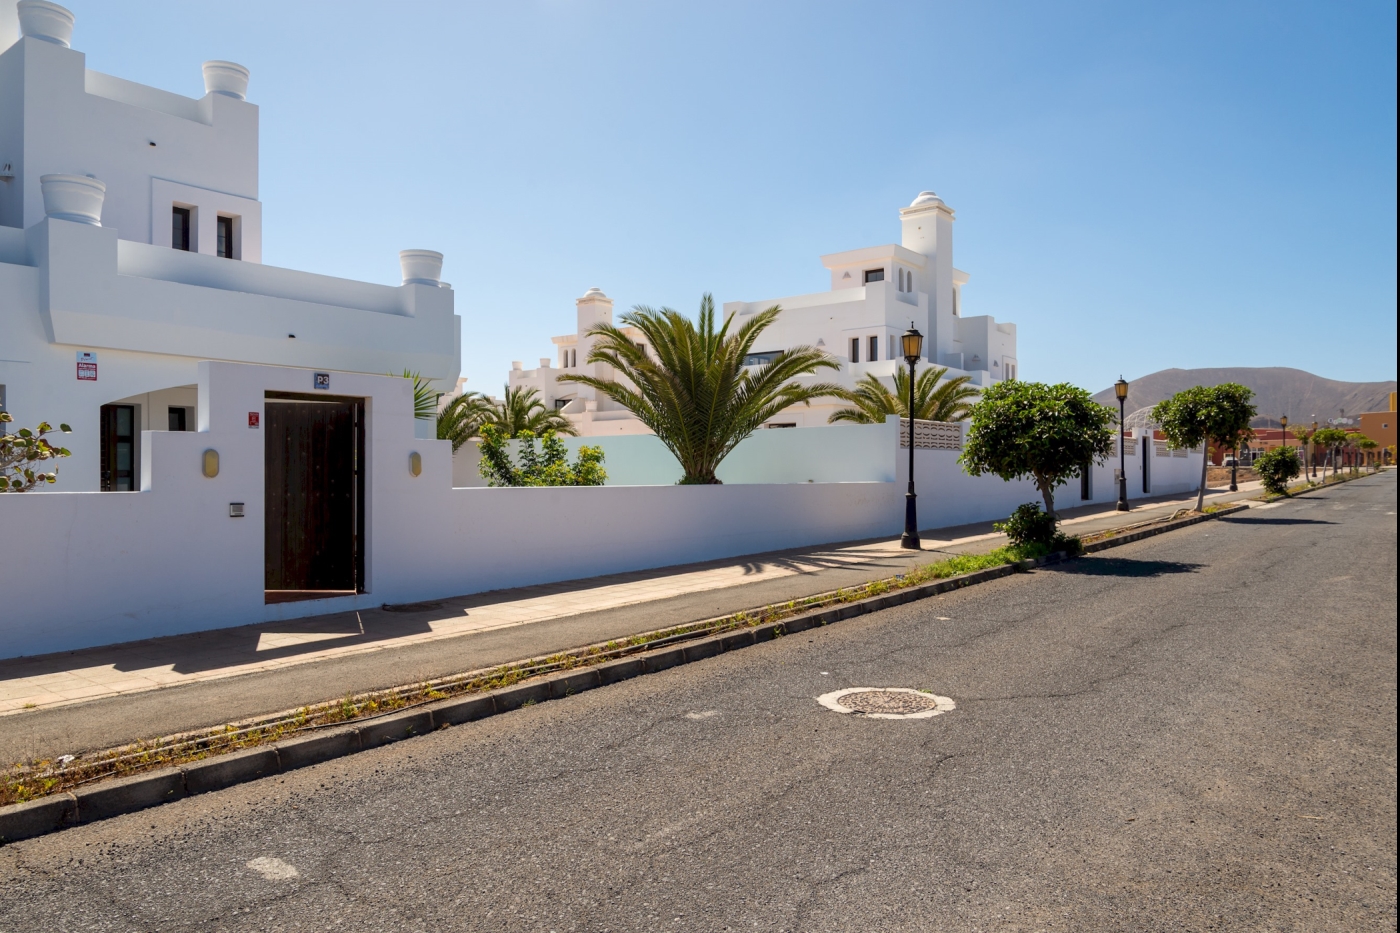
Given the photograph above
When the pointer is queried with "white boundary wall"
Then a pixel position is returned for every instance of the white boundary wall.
(79, 569)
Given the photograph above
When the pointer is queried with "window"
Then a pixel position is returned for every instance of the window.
(573, 358)
(955, 302)
(874, 349)
(761, 359)
(561, 402)
(225, 243)
(177, 419)
(890, 355)
(855, 349)
(874, 275)
(180, 228)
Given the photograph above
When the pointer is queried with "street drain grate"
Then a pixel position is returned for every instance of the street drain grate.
(886, 702)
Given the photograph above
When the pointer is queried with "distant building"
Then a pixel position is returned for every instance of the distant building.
(1379, 426)
(876, 293)
(131, 249)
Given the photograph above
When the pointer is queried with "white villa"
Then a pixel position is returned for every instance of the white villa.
(131, 249)
(876, 293)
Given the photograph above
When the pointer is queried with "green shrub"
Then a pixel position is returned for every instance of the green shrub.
(22, 452)
(550, 468)
(1028, 525)
(1276, 467)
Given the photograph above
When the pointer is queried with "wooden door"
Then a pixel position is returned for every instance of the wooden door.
(314, 493)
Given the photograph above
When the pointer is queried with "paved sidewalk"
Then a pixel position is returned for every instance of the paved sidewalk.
(76, 700)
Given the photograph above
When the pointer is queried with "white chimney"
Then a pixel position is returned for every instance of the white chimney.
(39, 19)
(421, 267)
(227, 78)
(73, 197)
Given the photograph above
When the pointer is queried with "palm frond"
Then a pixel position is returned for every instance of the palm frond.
(692, 389)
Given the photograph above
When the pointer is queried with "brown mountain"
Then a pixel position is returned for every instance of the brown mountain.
(1278, 390)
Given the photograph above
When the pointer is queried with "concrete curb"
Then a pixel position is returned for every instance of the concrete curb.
(128, 795)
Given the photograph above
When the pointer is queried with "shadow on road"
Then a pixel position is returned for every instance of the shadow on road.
(1275, 521)
(1122, 567)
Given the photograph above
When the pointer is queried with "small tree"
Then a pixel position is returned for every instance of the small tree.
(1201, 415)
(1044, 432)
(1277, 468)
(552, 468)
(23, 451)
(1332, 440)
(1365, 445)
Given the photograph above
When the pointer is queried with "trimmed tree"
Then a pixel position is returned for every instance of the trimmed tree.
(1331, 440)
(1277, 468)
(1044, 432)
(692, 387)
(1204, 415)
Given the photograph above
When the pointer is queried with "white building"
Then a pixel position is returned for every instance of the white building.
(131, 248)
(876, 293)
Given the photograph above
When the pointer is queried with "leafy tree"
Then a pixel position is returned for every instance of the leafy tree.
(1331, 440)
(1364, 444)
(932, 402)
(1045, 432)
(1277, 468)
(461, 418)
(23, 451)
(1201, 415)
(521, 410)
(695, 392)
(551, 468)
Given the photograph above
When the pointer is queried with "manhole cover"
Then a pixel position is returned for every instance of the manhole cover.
(887, 702)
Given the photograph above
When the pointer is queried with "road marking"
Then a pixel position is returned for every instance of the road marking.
(703, 714)
(273, 869)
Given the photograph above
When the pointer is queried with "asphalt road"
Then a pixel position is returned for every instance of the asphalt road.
(1194, 732)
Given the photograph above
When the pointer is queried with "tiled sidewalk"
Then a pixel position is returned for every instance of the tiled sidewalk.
(73, 677)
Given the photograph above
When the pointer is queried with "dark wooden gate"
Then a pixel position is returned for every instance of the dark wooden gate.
(315, 495)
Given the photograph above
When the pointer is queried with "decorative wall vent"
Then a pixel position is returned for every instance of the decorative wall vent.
(931, 435)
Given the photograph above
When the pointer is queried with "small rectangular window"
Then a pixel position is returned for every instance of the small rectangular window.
(874, 349)
(874, 275)
(762, 359)
(177, 418)
(225, 244)
(180, 228)
(855, 349)
(890, 355)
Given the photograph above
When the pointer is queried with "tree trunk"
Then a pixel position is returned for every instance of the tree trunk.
(1047, 492)
(1201, 492)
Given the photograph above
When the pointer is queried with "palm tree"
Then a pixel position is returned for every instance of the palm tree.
(461, 418)
(522, 410)
(692, 389)
(932, 402)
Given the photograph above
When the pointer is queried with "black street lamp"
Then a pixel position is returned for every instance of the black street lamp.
(913, 345)
(1283, 430)
(1234, 468)
(1120, 389)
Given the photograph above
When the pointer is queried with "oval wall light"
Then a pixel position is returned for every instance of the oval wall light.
(211, 463)
(415, 463)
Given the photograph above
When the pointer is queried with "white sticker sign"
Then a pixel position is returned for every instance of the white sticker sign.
(87, 366)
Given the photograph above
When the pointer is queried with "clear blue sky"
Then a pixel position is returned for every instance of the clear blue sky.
(1138, 186)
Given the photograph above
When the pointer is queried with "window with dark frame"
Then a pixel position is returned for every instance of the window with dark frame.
(874, 349)
(180, 228)
(874, 275)
(763, 358)
(225, 244)
(855, 349)
(177, 418)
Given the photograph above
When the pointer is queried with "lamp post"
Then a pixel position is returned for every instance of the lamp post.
(1234, 467)
(1120, 389)
(1283, 430)
(913, 345)
(1313, 457)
